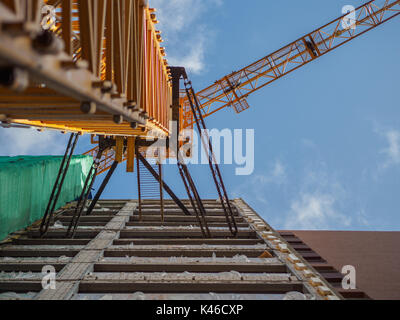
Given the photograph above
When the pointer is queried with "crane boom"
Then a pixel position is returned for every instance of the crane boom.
(232, 90)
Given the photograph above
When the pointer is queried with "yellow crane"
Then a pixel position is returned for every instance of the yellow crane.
(98, 67)
(233, 89)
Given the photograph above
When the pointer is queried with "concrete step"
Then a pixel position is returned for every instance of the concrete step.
(119, 285)
(231, 252)
(183, 234)
(158, 241)
(182, 218)
(162, 266)
(181, 224)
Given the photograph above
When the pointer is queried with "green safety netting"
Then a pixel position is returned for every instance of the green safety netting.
(26, 183)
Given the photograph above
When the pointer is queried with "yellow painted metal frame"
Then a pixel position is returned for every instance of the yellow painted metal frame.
(106, 41)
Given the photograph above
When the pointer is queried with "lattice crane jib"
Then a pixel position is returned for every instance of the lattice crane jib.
(232, 90)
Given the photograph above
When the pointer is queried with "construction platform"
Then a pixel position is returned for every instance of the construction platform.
(115, 256)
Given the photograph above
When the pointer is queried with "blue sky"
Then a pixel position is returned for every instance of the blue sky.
(327, 136)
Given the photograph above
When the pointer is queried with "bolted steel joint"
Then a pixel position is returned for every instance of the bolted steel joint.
(131, 105)
(88, 107)
(145, 115)
(14, 78)
(118, 119)
(105, 86)
(47, 42)
(74, 65)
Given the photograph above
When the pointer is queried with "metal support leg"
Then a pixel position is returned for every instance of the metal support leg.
(206, 141)
(161, 191)
(84, 196)
(102, 187)
(138, 180)
(55, 194)
(195, 199)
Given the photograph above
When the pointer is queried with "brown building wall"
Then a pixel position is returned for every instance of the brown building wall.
(375, 255)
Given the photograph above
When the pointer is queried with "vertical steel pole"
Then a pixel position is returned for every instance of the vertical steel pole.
(138, 180)
(161, 190)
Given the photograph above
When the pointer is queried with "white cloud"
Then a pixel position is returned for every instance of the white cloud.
(185, 31)
(15, 142)
(218, 2)
(362, 218)
(392, 151)
(310, 199)
(279, 170)
(257, 185)
(175, 15)
(194, 59)
(308, 143)
(318, 203)
(315, 211)
(277, 175)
